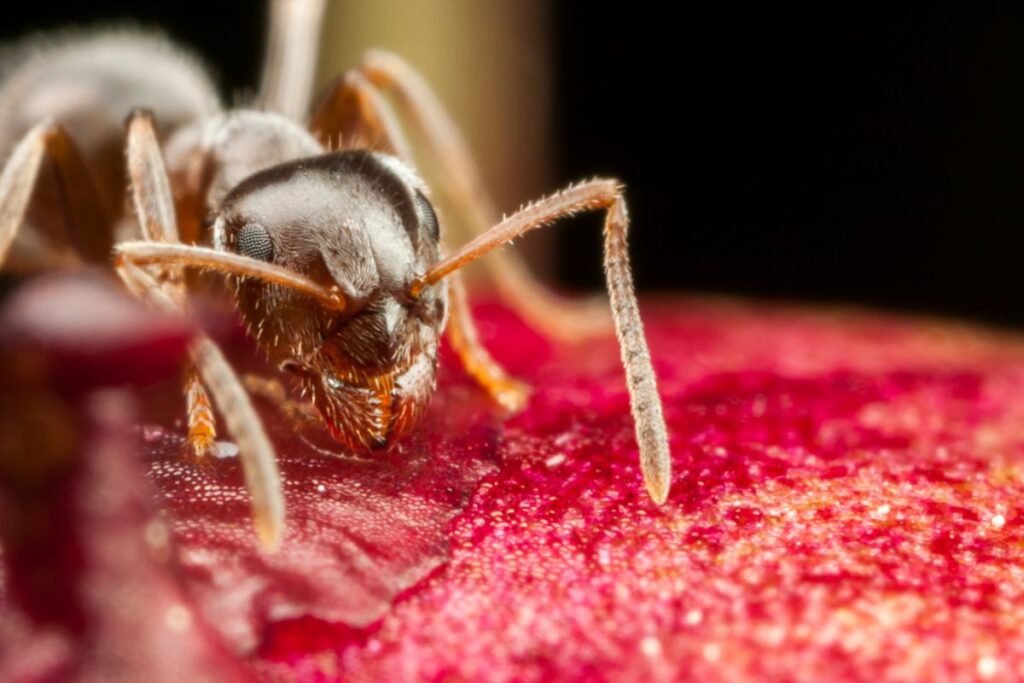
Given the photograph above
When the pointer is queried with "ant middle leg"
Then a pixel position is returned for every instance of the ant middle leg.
(359, 96)
(77, 226)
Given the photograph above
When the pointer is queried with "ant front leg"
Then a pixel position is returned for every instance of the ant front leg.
(77, 224)
(259, 464)
(606, 195)
(154, 207)
(458, 182)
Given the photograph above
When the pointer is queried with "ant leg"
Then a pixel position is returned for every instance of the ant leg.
(606, 195)
(352, 114)
(155, 211)
(150, 188)
(151, 197)
(259, 464)
(460, 184)
(75, 206)
(202, 426)
(290, 62)
(508, 392)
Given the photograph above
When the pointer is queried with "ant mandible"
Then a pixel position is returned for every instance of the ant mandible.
(335, 257)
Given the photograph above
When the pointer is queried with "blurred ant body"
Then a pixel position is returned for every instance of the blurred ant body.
(335, 256)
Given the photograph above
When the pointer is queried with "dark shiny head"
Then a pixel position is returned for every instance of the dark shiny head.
(360, 221)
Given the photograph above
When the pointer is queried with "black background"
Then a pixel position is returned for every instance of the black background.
(818, 153)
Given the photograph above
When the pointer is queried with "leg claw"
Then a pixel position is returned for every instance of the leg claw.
(512, 395)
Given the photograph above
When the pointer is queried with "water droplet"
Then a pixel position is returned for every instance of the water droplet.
(151, 433)
(178, 618)
(988, 666)
(998, 521)
(157, 535)
(650, 646)
(759, 405)
(226, 449)
(555, 460)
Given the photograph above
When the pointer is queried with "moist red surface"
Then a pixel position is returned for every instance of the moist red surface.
(845, 506)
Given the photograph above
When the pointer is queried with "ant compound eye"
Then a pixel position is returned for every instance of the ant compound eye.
(253, 241)
(427, 216)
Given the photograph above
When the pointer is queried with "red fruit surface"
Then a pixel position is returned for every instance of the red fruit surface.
(846, 506)
(90, 591)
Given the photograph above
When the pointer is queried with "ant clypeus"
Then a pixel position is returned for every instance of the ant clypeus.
(335, 256)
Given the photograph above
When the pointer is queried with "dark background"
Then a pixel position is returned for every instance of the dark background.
(828, 154)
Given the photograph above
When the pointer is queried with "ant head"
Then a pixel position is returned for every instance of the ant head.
(357, 220)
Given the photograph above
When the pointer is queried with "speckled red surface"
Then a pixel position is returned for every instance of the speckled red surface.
(846, 506)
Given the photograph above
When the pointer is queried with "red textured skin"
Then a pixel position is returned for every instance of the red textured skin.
(836, 478)
(90, 588)
(845, 507)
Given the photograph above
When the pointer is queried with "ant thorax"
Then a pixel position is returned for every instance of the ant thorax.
(358, 221)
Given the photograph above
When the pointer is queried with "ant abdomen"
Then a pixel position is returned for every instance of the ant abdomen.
(90, 82)
(86, 85)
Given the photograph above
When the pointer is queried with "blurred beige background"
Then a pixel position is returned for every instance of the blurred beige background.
(489, 63)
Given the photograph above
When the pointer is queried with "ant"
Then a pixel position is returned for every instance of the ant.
(334, 253)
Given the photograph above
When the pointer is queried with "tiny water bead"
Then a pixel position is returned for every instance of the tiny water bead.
(225, 449)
